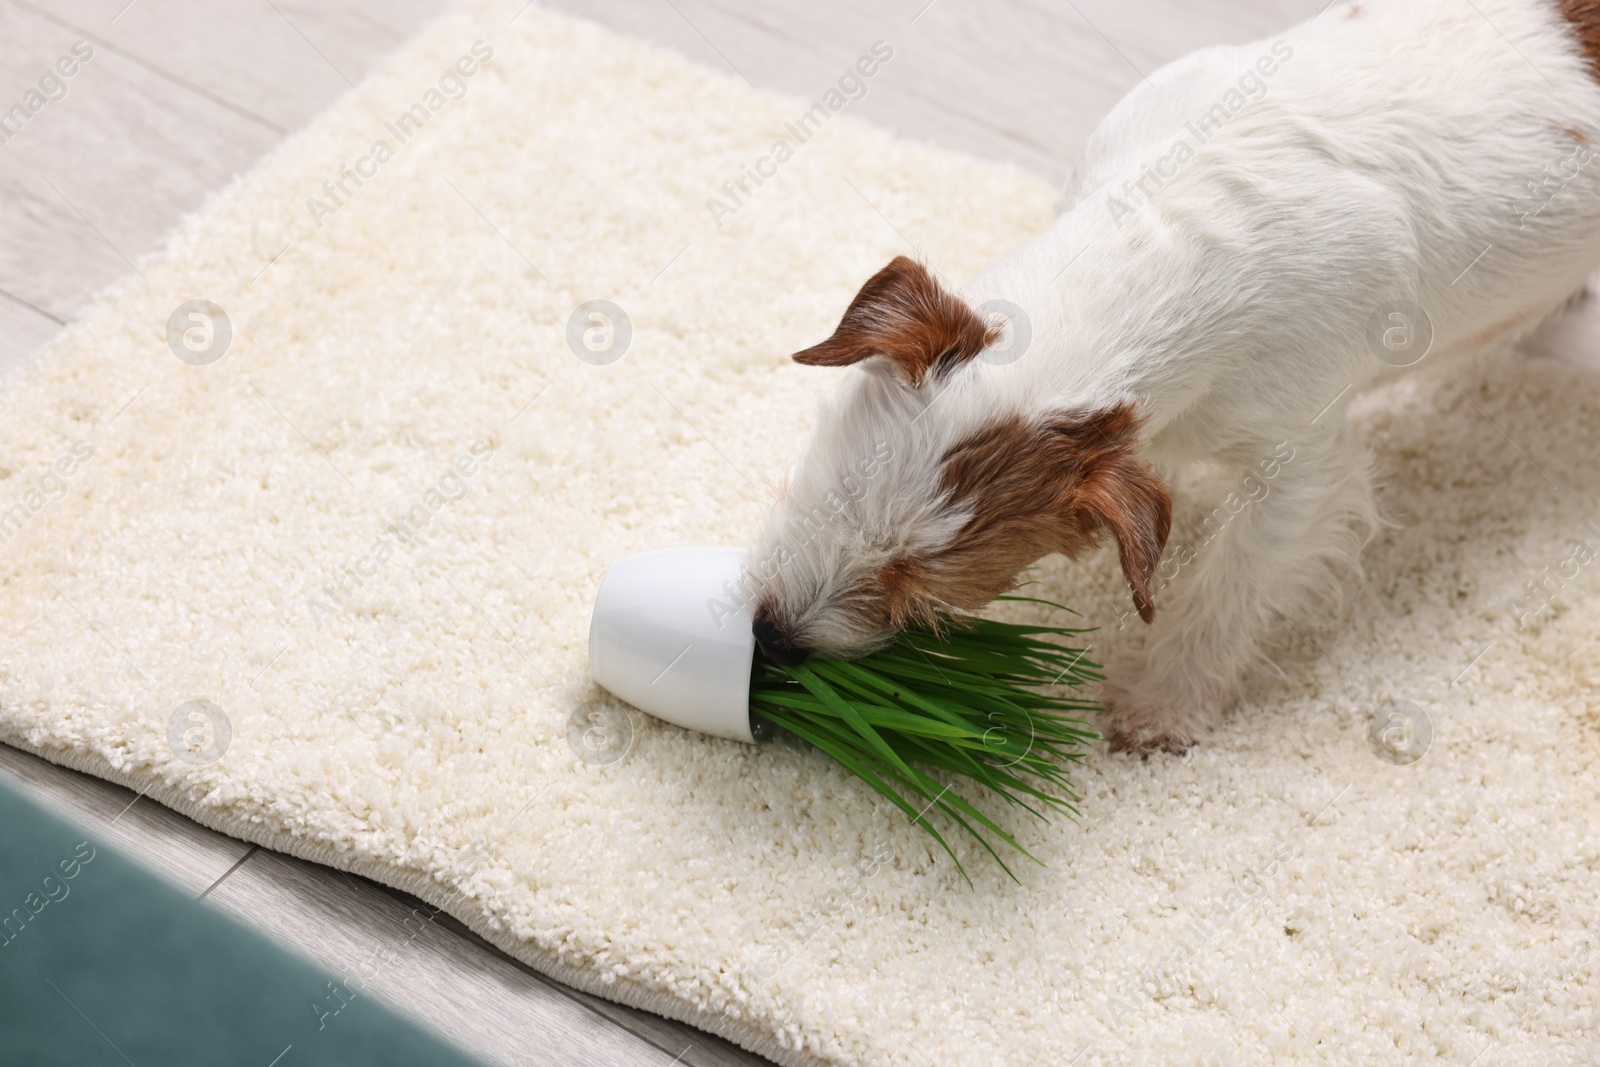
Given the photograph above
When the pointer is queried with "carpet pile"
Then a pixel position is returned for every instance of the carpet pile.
(311, 560)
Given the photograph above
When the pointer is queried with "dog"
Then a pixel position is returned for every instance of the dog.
(1255, 233)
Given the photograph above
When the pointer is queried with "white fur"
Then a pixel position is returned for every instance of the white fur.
(1393, 144)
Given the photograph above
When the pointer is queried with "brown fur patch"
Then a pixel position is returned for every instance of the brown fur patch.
(1585, 18)
(903, 314)
(1035, 488)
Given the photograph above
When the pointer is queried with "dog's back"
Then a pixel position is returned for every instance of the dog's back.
(1242, 215)
(1256, 232)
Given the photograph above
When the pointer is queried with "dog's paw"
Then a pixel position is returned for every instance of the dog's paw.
(1142, 722)
(1122, 738)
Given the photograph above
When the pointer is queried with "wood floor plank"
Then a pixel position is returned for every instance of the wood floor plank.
(1022, 81)
(178, 849)
(94, 179)
(285, 61)
(934, 90)
(422, 966)
(695, 1048)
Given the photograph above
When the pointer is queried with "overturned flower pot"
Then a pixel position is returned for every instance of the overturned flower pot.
(669, 638)
(672, 635)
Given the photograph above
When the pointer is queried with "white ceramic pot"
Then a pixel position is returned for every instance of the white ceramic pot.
(671, 636)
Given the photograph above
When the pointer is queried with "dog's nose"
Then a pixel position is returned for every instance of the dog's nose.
(777, 647)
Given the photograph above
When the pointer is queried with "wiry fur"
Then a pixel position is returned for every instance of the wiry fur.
(1388, 158)
(1032, 488)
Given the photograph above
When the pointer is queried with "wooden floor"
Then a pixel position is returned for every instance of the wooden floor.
(180, 95)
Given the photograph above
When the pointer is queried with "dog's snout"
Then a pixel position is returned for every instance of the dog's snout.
(775, 645)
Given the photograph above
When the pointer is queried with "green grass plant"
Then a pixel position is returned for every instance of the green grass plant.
(965, 700)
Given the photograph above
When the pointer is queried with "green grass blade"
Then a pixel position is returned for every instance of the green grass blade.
(974, 699)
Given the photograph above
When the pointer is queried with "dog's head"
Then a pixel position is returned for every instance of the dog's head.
(921, 493)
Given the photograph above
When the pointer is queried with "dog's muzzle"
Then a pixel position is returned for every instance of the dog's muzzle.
(777, 647)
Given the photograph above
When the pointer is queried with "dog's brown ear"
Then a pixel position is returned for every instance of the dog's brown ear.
(1126, 497)
(1033, 488)
(904, 315)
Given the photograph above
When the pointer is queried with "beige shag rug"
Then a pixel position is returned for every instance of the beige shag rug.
(329, 592)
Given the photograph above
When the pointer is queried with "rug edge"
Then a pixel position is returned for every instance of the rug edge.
(117, 291)
(621, 991)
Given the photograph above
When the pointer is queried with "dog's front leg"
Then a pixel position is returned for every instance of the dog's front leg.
(1269, 548)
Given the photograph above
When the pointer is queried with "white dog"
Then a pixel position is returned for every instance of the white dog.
(1255, 233)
